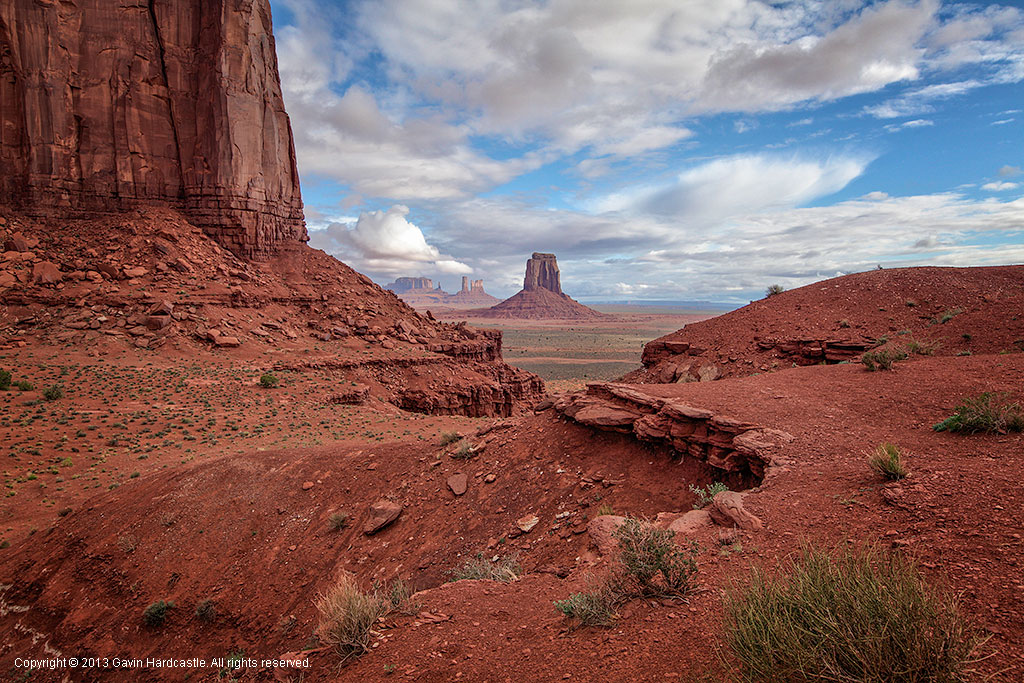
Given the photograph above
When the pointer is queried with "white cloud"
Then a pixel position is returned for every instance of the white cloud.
(384, 242)
(734, 185)
(999, 186)
(1008, 171)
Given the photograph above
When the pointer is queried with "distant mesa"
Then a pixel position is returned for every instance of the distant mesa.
(420, 292)
(541, 297)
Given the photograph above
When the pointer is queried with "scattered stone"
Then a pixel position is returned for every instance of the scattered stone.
(458, 483)
(382, 513)
(527, 522)
(602, 529)
(307, 485)
(691, 522)
(46, 273)
(727, 510)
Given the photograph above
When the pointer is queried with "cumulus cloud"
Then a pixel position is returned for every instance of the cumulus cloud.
(385, 242)
(1000, 186)
(669, 258)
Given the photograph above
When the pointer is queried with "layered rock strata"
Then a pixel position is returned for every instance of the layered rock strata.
(108, 106)
(720, 441)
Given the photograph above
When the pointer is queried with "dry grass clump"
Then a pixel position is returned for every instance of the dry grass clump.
(449, 437)
(347, 614)
(337, 521)
(989, 412)
(884, 358)
(887, 460)
(505, 570)
(854, 615)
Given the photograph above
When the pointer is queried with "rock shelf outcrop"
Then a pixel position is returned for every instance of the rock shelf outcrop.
(110, 106)
(720, 441)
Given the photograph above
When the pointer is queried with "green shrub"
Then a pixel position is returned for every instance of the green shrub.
(855, 615)
(888, 461)
(269, 380)
(592, 608)
(506, 570)
(206, 611)
(5, 380)
(989, 412)
(706, 494)
(156, 614)
(337, 521)
(883, 359)
(949, 315)
(773, 290)
(54, 392)
(651, 562)
(449, 437)
(24, 385)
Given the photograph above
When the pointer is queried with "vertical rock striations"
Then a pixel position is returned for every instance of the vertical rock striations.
(106, 106)
(542, 273)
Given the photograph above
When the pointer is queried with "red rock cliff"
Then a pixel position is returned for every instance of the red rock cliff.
(109, 105)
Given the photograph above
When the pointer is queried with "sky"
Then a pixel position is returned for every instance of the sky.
(680, 150)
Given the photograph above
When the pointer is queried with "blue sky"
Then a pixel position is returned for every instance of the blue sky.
(663, 150)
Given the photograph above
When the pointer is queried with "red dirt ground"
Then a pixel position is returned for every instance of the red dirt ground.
(236, 483)
(260, 547)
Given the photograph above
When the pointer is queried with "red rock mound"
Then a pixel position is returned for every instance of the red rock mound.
(153, 280)
(541, 297)
(927, 311)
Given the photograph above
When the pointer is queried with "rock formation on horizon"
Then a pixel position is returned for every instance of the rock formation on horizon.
(541, 296)
(109, 106)
(420, 292)
(542, 273)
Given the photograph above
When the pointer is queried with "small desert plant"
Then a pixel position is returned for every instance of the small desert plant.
(651, 562)
(206, 611)
(337, 521)
(394, 597)
(53, 392)
(887, 460)
(949, 315)
(989, 412)
(883, 359)
(449, 437)
(854, 615)
(269, 380)
(23, 385)
(506, 570)
(706, 494)
(605, 509)
(464, 451)
(156, 613)
(592, 608)
(922, 348)
(347, 616)
(844, 323)
(5, 380)
(773, 290)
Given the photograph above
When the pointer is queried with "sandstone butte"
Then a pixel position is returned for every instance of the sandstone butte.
(420, 292)
(109, 106)
(145, 147)
(541, 296)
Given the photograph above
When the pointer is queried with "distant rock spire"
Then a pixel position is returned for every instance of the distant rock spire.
(542, 273)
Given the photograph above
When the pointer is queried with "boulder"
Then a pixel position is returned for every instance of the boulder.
(46, 273)
(382, 513)
(602, 532)
(727, 510)
(458, 483)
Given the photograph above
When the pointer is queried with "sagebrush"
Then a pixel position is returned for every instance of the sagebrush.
(859, 614)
